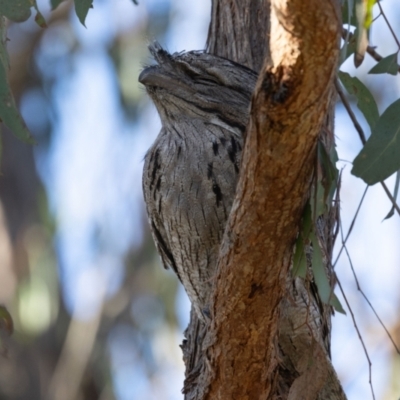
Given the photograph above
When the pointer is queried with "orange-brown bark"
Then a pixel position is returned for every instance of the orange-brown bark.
(289, 105)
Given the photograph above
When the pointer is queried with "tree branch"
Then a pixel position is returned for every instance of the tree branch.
(289, 106)
(239, 31)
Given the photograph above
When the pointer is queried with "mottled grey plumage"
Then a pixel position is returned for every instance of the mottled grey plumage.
(190, 172)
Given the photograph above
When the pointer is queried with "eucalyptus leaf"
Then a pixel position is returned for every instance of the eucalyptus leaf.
(369, 17)
(1, 143)
(334, 158)
(321, 277)
(365, 101)
(348, 13)
(9, 113)
(380, 156)
(82, 9)
(16, 10)
(6, 321)
(337, 305)
(4, 59)
(318, 202)
(55, 3)
(330, 173)
(39, 19)
(387, 65)
(299, 259)
(319, 271)
(307, 221)
(348, 48)
(361, 36)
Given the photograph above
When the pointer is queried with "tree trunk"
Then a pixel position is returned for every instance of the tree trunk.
(269, 333)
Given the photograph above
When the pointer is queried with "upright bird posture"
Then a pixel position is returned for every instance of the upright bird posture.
(190, 172)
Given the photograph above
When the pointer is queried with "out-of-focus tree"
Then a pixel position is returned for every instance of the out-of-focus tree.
(53, 354)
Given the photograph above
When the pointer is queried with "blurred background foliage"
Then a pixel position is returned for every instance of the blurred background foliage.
(95, 315)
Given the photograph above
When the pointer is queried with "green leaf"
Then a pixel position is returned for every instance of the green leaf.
(318, 201)
(348, 48)
(321, 278)
(1, 144)
(348, 13)
(330, 173)
(337, 305)
(299, 259)
(326, 183)
(369, 17)
(3, 40)
(396, 192)
(386, 65)
(319, 271)
(363, 12)
(300, 265)
(16, 10)
(82, 9)
(380, 157)
(55, 3)
(6, 321)
(307, 221)
(39, 19)
(365, 101)
(9, 113)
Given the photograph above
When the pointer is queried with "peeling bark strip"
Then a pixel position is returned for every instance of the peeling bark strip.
(257, 349)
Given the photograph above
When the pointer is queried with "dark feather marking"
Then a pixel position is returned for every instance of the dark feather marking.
(225, 213)
(158, 184)
(164, 249)
(215, 148)
(172, 126)
(234, 144)
(204, 216)
(155, 168)
(232, 152)
(209, 170)
(159, 205)
(218, 194)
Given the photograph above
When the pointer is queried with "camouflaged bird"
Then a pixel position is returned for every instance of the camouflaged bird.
(191, 171)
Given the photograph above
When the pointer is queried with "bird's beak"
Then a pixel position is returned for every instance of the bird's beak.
(155, 77)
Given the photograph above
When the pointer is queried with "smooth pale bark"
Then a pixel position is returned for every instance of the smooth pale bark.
(261, 343)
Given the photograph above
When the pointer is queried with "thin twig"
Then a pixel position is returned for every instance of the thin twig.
(376, 18)
(388, 24)
(369, 303)
(350, 112)
(370, 49)
(359, 336)
(351, 226)
(391, 198)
